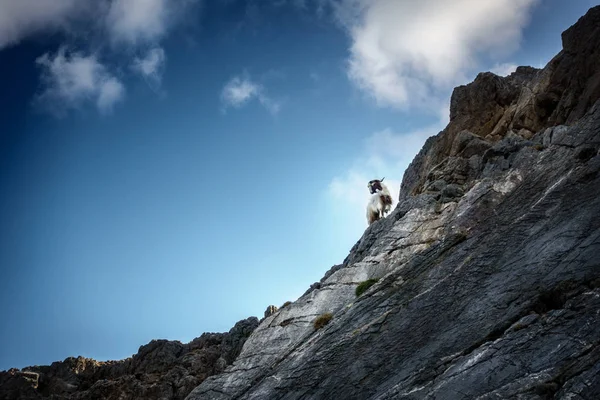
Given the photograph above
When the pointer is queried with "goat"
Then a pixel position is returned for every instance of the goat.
(380, 202)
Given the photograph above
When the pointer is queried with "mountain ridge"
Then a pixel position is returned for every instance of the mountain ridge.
(160, 369)
(487, 272)
(494, 238)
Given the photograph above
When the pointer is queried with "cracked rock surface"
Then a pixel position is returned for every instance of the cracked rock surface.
(487, 273)
(488, 270)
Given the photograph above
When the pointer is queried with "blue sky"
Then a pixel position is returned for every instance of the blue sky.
(170, 167)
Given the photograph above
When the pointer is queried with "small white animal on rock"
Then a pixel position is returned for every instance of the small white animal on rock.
(380, 202)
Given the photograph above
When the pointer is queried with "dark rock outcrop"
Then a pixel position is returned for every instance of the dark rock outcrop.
(270, 311)
(529, 100)
(488, 270)
(161, 369)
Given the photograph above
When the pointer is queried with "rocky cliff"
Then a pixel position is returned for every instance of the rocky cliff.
(161, 369)
(484, 282)
(487, 274)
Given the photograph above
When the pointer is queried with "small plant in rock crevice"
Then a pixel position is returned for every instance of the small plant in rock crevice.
(363, 286)
(322, 320)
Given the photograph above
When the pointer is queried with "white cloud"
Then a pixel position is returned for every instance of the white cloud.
(151, 67)
(144, 21)
(71, 80)
(110, 91)
(21, 18)
(126, 24)
(404, 53)
(272, 106)
(131, 21)
(240, 90)
(504, 69)
(125, 21)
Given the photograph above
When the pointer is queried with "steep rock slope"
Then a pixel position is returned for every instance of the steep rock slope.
(488, 270)
(161, 369)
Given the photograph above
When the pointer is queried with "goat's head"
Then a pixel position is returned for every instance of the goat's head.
(375, 185)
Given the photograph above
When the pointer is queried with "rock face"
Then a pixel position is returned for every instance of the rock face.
(488, 269)
(529, 100)
(487, 273)
(270, 311)
(161, 369)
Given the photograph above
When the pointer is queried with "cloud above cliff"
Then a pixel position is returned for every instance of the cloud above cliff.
(504, 69)
(404, 53)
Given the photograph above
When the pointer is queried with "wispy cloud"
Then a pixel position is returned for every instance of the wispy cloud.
(242, 89)
(408, 54)
(134, 21)
(71, 79)
(125, 21)
(110, 92)
(151, 67)
(130, 25)
(238, 91)
(21, 18)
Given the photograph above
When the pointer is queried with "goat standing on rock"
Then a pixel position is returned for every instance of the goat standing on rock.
(380, 202)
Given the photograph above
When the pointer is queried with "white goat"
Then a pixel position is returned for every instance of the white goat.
(380, 202)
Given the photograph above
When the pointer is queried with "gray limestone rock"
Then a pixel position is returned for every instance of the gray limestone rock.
(270, 311)
(492, 296)
(488, 272)
(488, 269)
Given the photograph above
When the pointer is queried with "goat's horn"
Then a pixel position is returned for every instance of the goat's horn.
(381, 180)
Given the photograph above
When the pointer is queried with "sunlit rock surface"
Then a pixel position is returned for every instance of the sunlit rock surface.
(488, 272)
(489, 268)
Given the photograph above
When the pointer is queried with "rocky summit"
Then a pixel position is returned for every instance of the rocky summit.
(483, 283)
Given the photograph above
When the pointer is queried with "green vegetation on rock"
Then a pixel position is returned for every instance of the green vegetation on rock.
(363, 286)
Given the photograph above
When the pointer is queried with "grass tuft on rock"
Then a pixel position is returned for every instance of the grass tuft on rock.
(322, 320)
(363, 286)
(287, 303)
